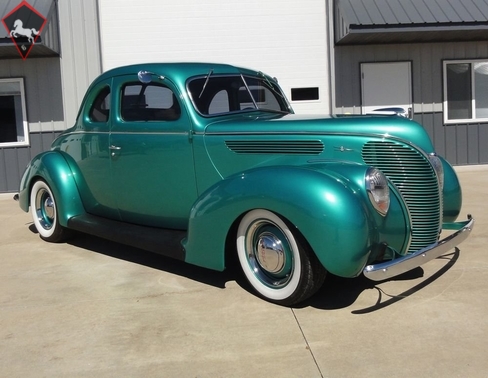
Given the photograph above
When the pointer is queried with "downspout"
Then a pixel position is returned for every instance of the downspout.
(100, 56)
(329, 11)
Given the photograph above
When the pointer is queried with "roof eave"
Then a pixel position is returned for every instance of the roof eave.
(386, 34)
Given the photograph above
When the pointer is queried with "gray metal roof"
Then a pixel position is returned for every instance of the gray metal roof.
(397, 21)
(47, 44)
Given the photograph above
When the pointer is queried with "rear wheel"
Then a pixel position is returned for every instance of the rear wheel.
(44, 213)
(276, 261)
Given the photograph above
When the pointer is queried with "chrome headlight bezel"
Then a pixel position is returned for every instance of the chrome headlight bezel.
(378, 191)
(436, 163)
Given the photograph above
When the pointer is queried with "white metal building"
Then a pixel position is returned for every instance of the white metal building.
(286, 39)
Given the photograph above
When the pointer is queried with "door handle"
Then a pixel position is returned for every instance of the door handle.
(113, 149)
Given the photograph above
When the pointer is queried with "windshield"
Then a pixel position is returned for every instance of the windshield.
(223, 94)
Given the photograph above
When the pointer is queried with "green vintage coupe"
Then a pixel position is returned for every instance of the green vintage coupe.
(198, 161)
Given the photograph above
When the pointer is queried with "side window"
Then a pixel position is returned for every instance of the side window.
(13, 120)
(149, 102)
(100, 109)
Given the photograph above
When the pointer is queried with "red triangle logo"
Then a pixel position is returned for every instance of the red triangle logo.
(24, 25)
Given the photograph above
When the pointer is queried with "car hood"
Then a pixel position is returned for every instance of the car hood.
(258, 123)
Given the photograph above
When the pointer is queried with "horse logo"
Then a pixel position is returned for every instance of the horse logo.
(20, 31)
(24, 26)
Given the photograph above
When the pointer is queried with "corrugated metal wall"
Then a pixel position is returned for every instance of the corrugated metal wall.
(14, 160)
(54, 87)
(461, 144)
(44, 102)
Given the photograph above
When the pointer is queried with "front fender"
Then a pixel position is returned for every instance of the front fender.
(52, 167)
(452, 193)
(330, 213)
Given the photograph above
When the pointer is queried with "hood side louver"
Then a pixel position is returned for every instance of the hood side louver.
(295, 147)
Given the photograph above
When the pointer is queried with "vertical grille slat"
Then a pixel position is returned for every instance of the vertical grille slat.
(416, 180)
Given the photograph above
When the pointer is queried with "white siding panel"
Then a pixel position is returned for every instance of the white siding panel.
(286, 39)
(80, 51)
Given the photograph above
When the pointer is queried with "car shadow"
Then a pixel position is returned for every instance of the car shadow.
(152, 260)
(336, 293)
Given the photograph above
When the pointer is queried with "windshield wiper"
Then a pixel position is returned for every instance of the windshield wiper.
(249, 92)
(271, 86)
(206, 82)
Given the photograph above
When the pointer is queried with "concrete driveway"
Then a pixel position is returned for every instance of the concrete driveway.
(92, 308)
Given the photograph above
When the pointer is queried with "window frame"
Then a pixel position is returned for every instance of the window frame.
(25, 124)
(175, 106)
(263, 81)
(473, 118)
(97, 105)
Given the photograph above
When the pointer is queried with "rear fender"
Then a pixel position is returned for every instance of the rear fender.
(329, 213)
(52, 168)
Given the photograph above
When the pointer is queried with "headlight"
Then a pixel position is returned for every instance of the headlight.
(438, 168)
(378, 191)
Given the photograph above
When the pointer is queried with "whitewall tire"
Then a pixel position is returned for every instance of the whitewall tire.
(275, 260)
(45, 213)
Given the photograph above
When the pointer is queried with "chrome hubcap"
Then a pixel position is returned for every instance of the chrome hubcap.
(45, 209)
(269, 254)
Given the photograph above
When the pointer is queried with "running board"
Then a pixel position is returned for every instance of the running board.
(159, 240)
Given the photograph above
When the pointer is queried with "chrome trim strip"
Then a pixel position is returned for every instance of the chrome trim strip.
(385, 270)
(150, 133)
(82, 132)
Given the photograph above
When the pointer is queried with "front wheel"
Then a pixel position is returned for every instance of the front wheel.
(275, 260)
(44, 213)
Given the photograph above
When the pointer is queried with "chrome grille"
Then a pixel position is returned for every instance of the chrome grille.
(416, 180)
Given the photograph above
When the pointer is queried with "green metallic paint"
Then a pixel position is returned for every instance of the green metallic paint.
(320, 193)
(291, 125)
(453, 198)
(314, 214)
(326, 207)
(155, 166)
(54, 170)
(152, 171)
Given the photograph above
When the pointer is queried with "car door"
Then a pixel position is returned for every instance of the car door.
(89, 148)
(151, 154)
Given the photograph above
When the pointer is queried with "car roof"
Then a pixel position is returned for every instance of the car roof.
(179, 71)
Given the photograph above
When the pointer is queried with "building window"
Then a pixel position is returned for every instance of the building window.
(466, 91)
(13, 120)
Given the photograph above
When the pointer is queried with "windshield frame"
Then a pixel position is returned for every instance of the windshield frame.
(267, 83)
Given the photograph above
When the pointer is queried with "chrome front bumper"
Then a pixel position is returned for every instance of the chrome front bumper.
(388, 269)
